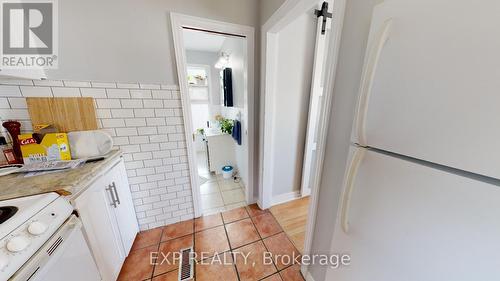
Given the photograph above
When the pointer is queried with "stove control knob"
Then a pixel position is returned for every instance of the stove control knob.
(37, 228)
(4, 261)
(17, 244)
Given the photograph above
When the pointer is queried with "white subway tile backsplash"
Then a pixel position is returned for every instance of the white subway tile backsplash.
(122, 113)
(164, 112)
(77, 84)
(108, 103)
(66, 92)
(148, 131)
(93, 93)
(150, 147)
(135, 122)
(142, 156)
(4, 103)
(161, 94)
(103, 113)
(144, 112)
(175, 137)
(113, 123)
(14, 114)
(161, 154)
(120, 141)
(126, 132)
(117, 93)
(166, 130)
(156, 121)
(16, 82)
(130, 165)
(145, 172)
(10, 91)
(29, 91)
(153, 163)
(128, 85)
(110, 131)
(153, 103)
(172, 104)
(18, 103)
(170, 87)
(146, 123)
(132, 103)
(49, 83)
(174, 121)
(103, 84)
(149, 86)
(158, 138)
(140, 94)
(139, 139)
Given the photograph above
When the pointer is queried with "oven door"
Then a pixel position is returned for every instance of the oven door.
(66, 256)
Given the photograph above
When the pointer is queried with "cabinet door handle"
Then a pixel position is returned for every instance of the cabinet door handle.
(113, 200)
(116, 193)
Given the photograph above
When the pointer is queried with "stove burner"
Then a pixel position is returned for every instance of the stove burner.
(7, 212)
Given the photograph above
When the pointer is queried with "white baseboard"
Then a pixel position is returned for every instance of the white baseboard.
(286, 197)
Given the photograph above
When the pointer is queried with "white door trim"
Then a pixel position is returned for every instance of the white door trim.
(178, 22)
(287, 13)
(282, 17)
(332, 60)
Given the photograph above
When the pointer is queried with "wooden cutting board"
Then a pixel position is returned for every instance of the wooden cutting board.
(65, 114)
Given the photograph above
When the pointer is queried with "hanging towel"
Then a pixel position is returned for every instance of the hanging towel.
(236, 133)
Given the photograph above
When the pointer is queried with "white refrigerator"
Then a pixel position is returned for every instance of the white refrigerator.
(421, 197)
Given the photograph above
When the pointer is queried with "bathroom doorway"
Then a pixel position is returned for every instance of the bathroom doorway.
(215, 72)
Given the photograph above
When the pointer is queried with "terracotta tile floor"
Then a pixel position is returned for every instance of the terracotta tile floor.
(245, 230)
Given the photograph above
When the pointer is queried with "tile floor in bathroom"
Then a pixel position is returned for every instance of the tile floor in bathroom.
(219, 195)
(246, 230)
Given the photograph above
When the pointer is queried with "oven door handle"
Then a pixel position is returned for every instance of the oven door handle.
(56, 244)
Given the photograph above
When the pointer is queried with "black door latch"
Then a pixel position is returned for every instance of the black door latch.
(325, 14)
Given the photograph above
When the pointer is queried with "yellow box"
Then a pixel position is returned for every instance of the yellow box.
(53, 146)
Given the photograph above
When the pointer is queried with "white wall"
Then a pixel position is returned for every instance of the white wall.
(236, 47)
(353, 44)
(293, 85)
(267, 8)
(131, 40)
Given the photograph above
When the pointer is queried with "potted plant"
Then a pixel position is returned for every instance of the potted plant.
(226, 125)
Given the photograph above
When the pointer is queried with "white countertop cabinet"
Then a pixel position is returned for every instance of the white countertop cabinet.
(109, 221)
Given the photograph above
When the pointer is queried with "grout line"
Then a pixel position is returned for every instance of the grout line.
(158, 251)
(262, 240)
(231, 250)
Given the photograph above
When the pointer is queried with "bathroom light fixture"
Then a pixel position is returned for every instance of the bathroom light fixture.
(223, 61)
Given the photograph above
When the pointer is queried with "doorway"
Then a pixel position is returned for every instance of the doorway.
(317, 24)
(215, 69)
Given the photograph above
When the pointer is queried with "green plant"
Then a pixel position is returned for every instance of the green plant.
(226, 125)
(200, 131)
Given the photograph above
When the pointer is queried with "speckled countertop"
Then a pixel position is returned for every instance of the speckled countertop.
(69, 183)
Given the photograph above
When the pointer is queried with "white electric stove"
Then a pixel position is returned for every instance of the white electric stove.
(38, 231)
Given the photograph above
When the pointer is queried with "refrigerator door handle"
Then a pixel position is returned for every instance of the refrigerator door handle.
(348, 187)
(367, 77)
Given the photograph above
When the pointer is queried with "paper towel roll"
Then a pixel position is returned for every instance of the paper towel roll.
(87, 144)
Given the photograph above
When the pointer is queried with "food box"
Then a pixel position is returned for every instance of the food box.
(39, 147)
